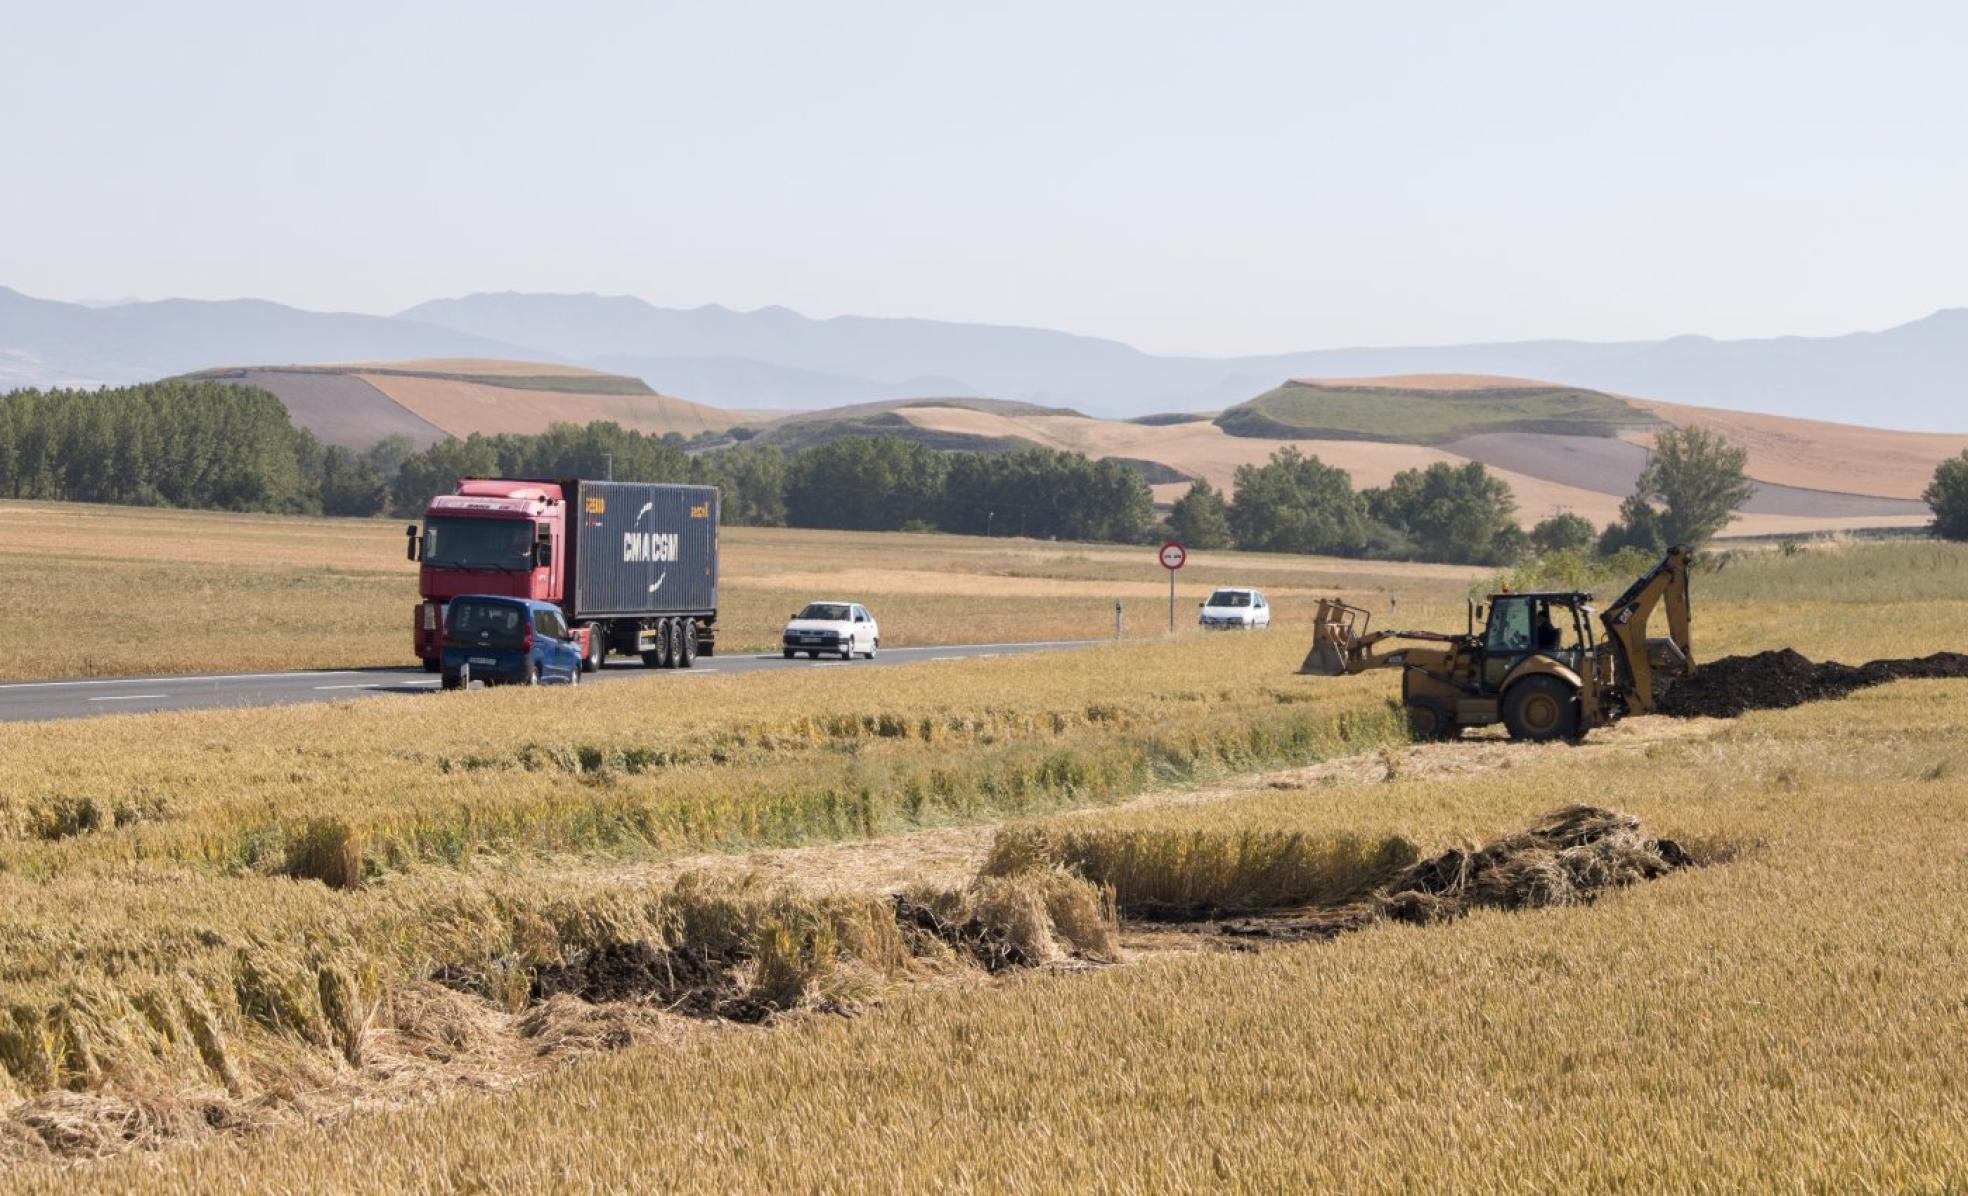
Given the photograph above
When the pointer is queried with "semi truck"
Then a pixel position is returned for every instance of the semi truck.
(632, 565)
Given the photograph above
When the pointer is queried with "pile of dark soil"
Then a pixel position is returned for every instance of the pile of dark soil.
(1776, 680)
(1568, 857)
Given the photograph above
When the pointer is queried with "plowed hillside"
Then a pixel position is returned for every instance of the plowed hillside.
(1822, 456)
(1585, 473)
(360, 403)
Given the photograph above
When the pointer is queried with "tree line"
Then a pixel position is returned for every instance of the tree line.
(226, 447)
(1693, 482)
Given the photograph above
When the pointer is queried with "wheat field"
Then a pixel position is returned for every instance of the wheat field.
(120, 591)
(330, 948)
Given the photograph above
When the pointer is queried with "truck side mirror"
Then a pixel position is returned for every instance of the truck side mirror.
(543, 553)
(410, 534)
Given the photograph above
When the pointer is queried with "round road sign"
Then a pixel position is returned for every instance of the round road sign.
(1173, 555)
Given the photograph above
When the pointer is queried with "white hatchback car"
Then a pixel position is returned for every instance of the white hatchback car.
(843, 628)
(1236, 608)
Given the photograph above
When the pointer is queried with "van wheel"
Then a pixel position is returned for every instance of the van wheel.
(457, 680)
(1541, 708)
(529, 674)
(432, 664)
(789, 653)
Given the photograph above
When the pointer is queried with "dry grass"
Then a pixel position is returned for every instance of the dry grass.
(1791, 1019)
(1195, 872)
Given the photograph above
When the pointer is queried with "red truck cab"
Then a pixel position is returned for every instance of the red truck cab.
(489, 537)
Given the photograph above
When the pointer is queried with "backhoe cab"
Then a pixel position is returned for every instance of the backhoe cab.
(1541, 664)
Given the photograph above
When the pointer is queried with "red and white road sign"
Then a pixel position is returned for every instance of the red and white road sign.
(1173, 556)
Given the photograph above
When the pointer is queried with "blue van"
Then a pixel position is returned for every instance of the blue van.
(511, 641)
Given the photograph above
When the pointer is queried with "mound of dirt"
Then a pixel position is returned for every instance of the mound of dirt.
(1777, 680)
(1568, 857)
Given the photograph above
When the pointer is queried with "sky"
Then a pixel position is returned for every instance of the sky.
(1221, 179)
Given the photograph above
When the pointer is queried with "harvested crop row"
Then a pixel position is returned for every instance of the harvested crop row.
(1297, 886)
(284, 1035)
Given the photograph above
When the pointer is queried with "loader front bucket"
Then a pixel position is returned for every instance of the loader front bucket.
(1333, 639)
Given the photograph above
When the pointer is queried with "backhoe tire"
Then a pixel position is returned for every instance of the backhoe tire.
(1429, 721)
(1539, 709)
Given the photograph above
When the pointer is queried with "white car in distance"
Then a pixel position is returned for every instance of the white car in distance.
(835, 628)
(1235, 608)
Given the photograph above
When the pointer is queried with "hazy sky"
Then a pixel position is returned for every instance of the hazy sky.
(1190, 178)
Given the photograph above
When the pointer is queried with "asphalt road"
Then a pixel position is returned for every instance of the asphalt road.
(30, 701)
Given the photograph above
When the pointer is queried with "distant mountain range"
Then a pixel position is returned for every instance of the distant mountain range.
(1914, 376)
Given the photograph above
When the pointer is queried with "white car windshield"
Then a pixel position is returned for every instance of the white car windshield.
(1229, 598)
(832, 612)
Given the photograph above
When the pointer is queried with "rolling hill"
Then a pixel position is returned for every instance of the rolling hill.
(428, 400)
(1559, 449)
(1429, 410)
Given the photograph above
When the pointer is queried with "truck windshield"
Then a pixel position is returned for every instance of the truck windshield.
(485, 624)
(453, 543)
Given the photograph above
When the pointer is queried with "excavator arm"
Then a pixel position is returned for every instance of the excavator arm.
(1642, 666)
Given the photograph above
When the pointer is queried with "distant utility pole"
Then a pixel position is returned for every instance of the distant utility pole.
(608, 464)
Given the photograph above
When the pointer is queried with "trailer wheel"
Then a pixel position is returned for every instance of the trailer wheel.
(597, 648)
(687, 644)
(1541, 708)
(658, 655)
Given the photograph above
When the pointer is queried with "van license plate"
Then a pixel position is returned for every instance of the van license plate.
(483, 660)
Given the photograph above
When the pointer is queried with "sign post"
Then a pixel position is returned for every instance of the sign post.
(1172, 556)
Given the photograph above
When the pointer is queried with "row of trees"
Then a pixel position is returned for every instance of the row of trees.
(181, 444)
(225, 447)
(209, 444)
(1462, 514)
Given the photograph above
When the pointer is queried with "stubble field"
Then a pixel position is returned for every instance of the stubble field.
(117, 591)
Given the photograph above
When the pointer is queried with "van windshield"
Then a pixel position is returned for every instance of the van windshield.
(485, 624)
(1229, 598)
(454, 543)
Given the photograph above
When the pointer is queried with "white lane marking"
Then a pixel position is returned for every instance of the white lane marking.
(129, 697)
(172, 680)
(361, 685)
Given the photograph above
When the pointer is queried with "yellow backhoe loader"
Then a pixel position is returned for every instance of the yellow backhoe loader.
(1538, 666)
